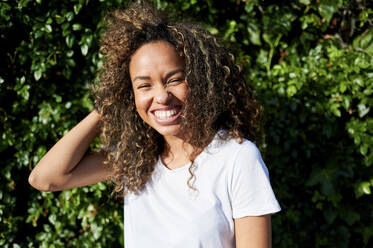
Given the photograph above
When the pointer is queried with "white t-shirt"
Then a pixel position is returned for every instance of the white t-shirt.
(232, 182)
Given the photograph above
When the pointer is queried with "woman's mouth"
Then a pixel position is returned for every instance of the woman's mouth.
(167, 116)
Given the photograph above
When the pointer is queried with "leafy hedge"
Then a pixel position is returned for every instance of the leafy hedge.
(311, 65)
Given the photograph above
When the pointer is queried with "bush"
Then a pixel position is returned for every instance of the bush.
(310, 63)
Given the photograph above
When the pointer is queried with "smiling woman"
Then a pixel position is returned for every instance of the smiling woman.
(177, 124)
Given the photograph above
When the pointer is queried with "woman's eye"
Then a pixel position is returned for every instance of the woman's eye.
(141, 86)
(175, 80)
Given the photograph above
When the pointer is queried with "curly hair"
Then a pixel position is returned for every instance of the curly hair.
(217, 96)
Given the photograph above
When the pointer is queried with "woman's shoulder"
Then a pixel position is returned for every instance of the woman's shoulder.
(224, 142)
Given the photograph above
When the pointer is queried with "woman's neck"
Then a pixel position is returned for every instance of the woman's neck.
(177, 152)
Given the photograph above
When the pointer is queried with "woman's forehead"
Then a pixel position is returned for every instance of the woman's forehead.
(155, 56)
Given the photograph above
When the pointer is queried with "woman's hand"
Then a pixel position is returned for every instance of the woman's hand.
(66, 165)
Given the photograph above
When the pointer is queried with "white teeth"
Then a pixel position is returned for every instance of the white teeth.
(165, 114)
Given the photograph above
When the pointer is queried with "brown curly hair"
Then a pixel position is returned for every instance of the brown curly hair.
(217, 96)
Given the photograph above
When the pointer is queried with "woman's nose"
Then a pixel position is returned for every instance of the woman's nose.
(162, 95)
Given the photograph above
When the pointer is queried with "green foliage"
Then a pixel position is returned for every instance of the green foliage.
(310, 62)
(49, 56)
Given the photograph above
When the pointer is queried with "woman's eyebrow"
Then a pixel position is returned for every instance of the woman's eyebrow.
(141, 78)
(171, 73)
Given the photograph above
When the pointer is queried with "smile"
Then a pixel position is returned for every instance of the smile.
(163, 115)
(167, 116)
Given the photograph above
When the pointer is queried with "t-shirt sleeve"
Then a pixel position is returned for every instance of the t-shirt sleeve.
(251, 193)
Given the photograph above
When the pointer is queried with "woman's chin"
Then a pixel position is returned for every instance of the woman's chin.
(170, 130)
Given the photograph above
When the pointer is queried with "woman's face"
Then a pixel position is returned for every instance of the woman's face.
(159, 86)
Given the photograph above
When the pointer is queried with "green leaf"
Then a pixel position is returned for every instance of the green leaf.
(71, 62)
(52, 218)
(362, 110)
(291, 90)
(84, 49)
(362, 188)
(349, 215)
(69, 53)
(69, 16)
(24, 92)
(366, 188)
(65, 29)
(364, 149)
(77, 8)
(262, 58)
(249, 6)
(37, 74)
(38, 34)
(77, 26)
(330, 215)
(268, 38)
(363, 61)
(342, 87)
(70, 40)
(57, 98)
(327, 8)
(365, 42)
(59, 19)
(254, 34)
(229, 34)
(48, 28)
(335, 109)
(359, 81)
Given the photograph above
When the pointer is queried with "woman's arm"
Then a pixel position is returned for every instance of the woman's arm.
(253, 232)
(66, 165)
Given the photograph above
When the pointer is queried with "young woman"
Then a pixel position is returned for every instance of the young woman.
(175, 118)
